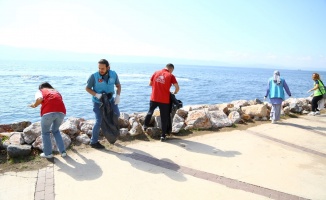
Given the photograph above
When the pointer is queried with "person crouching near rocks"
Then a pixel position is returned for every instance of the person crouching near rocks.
(275, 93)
(319, 90)
(53, 112)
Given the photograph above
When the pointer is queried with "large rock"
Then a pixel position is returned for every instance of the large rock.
(198, 120)
(16, 138)
(240, 103)
(219, 119)
(124, 120)
(14, 150)
(234, 116)
(225, 107)
(182, 113)
(136, 127)
(14, 127)
(31, 132)
(177, 124)
(71, 126)
(83, 138)
(87, 126)
(39, 144)
(124, 132)
(259, 110)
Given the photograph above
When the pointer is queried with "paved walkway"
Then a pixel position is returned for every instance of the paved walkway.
(270, 161)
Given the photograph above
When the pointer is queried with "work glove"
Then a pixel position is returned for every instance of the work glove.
(98, 95)
(117, 99)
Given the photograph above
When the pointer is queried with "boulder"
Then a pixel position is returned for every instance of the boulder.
(177, 124)
(259, 110)
(16, 138)
(182, 113)
(219, 119)
(71, 126)
(124, 132)
(240, 103)
(15, 150)
(198, 119)
(31, 132)
(87, 126)
(83, 138)
(39, 144)
(234, 116)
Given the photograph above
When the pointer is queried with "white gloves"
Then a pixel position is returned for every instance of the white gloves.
(98, 95)
(117, 99)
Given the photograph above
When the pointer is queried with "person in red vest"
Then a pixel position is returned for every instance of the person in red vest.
(161, 82)
(53, 112)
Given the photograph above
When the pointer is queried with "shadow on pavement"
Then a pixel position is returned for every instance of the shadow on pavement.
(144, 161)
(311, 128)
(88, 170)
(201, 148)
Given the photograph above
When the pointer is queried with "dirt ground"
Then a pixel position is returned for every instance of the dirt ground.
(35, 162)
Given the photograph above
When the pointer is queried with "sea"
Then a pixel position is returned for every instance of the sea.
(198, 85)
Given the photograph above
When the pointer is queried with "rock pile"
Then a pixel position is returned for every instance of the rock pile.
(19, 138)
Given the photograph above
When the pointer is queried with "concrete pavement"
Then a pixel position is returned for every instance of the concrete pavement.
(269, 161)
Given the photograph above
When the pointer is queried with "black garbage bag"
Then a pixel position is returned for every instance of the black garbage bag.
(175, 104)
(110, 120)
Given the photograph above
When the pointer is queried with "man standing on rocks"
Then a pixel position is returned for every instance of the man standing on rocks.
(161, 82)
(102, 82)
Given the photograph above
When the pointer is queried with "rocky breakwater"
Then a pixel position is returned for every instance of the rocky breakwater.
(18, 139)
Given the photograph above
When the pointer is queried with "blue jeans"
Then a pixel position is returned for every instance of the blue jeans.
(52, 119)
(98, 119)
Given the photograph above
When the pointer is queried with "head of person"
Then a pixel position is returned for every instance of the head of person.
(277, 73)
(103, 66)
(170, 67)
(45, 85)
(315, 76)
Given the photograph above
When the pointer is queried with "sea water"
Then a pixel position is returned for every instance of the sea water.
(198, 85)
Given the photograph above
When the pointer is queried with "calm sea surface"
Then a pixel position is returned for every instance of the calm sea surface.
(199, 85)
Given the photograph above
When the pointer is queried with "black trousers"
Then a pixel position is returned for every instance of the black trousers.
(314, 102)
(164, 112)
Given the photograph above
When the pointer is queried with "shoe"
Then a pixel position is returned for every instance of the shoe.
(63, 154)
(312, 114)
(273, 122)
(163, 138)
(46, 156)
(317, 113)
(97, 145)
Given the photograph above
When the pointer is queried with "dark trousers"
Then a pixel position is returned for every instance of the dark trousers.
(164, 112)
(314, 102)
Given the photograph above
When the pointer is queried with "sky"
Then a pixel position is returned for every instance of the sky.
(286, 33)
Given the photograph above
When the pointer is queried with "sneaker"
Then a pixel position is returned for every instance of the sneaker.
(63, 154)
(46, 156)
(163, 138)
(317, 113)
(273, 122)
(312, 114)
(97, 145)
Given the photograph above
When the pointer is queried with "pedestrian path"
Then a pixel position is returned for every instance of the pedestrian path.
(270, 161)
